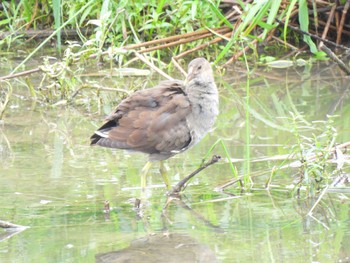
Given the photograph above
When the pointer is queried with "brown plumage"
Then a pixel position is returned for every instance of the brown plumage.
(164, 120)
(152, 121)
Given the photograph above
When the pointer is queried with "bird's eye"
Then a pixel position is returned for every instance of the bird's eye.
(199, 67)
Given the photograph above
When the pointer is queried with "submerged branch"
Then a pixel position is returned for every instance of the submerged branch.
(11, 230)
(5, 224)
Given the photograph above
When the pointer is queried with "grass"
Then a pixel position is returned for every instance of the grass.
(117, 24)
(313, 147)
(124, 22)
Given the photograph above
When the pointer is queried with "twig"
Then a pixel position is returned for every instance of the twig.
(330, 18)
(229, 183)
(21, 74)
(342, 20)
(285, 43)
(176, 43)
(318, 200)
(215, 40)
(340, 63)
(177, 37)
(179, 67)
(141, 57)
(85, 86)
(177, 188)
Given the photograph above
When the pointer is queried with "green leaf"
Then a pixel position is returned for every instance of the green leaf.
(275, 6)
(304, 24)
(289, 11)
(280, 64)
(217, 12)
(255, 17)
(266, 26)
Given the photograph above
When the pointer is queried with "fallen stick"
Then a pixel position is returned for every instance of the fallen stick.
(176, 43)
(215, 40)
(177, 37)
(342, 21)
(337, 60)
(143, 59)
(178, 187)
(21, 74)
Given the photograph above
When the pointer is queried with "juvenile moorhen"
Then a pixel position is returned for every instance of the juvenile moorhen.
(165, 120)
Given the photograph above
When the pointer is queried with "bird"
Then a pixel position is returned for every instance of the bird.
(164, 120)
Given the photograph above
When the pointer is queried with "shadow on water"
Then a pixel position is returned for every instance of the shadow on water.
(54, 182)
(166, 245)
(160, 248)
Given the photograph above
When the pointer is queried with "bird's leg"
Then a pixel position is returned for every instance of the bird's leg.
(144, 173)
(164, 172)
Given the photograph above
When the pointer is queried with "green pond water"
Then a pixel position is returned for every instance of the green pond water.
(52, 180)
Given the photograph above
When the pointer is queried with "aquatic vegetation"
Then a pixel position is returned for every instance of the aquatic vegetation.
(315, 148)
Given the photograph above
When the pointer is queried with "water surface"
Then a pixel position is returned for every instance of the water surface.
(52, 180)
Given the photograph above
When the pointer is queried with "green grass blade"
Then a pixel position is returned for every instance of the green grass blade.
(289, 12)
(225, 50)
(218, 13)
(275, 6)
(255, 15)
(304, 24)
(160, 6)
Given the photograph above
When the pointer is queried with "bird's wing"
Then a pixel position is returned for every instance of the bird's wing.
(150, 121)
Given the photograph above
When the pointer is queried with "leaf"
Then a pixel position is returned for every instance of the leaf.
(217, 12)
(272, 15)
(96, 22)
(104, 8)
(258, 11)
(304, 24)
(280, 64)
(289, 11)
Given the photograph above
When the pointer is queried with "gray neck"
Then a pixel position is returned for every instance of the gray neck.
(205, 107)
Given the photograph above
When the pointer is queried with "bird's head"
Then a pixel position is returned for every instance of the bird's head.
(199, 70)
